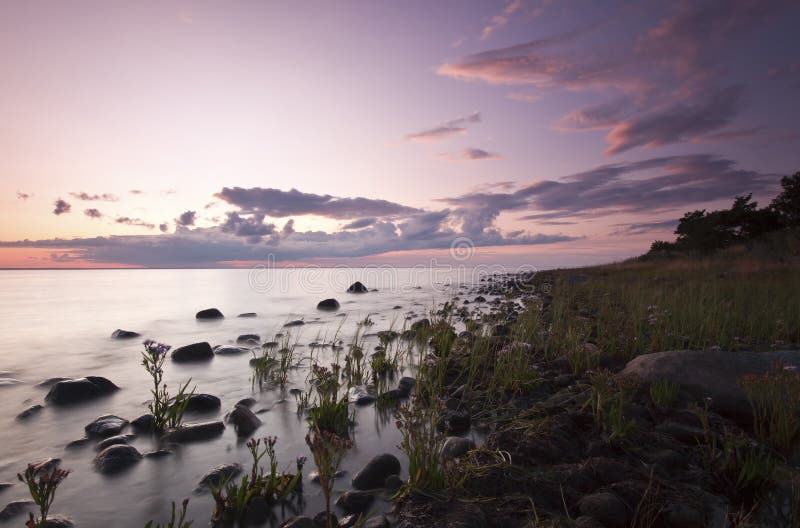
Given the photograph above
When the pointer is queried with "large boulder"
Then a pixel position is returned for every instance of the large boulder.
(116, 458)
(328, 305)
(124, 334)
(244, 421)
(79, 390)
(194, 352)
(357, 287)
(203, 403)
(105, 426)
(710, 373)
(197, 432)
(373, 475)
(209, 313)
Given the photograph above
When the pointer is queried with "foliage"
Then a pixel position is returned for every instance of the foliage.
(167, 410)
(422, 443)
(330, 412)
(607, 400)
(774, 397)
(787, 204)
(175, 520)
(328, 451)
(42, 481)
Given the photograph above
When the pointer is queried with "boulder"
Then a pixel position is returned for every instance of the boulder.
(374, 473)
(124, 334)
(355, 501)
(71, 391)
(116, 458)
(16, 508)
(357, 287)
(194, 352)
(710, 373)
(209, 314)
(203, 403)
(30, 411)
(197, 432)
(456, 447)
(246, 402)
(248, 339)
(244, 421)
(143, 423)
(113, 440)
(328, 305)
(230, 350)
(607, 508)
(216, 475)
(105, 426)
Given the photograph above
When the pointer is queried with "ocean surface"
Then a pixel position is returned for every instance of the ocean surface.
(58, 323)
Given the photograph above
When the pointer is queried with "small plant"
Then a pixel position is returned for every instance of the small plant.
(328, 451)
(167, 411)
(176, 520)
(42, 481)
(774, 397)
(747, 467)
(422, 443)
(275, 362)
(330, 412)
(607, 400)
(664, 393)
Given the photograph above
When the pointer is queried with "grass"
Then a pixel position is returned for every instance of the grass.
(608, 397)
(331, 410)
(774, 398)
(176, 519)
(664, 393)
(275, 362)
(422, 443)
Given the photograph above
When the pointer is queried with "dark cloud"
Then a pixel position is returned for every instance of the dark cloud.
(447, 129)
(61, 207)
(288, 227)
(137, 222)
(642, 228)
(470, 154)
(163, 227)
(360, 223)
(280, 204)
(136, 191)
(23, 196)
(86, 197)
(186, 219)
(92, 213)
(250, 227)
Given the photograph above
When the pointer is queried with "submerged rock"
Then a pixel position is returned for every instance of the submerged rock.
(143, 423)
(79, 390)
(357, 287)
(124, 334)
(30, 411)
(16, 508)
(209, 313)
(197, 432)
(116, 458)
(230, 350)
(374, 473)
(358, 394)
(5, 485)
(49, 382)
(355, 501)
(113, 440)
(328, 304)
(216, 475)
(296, 322)
(105, 426)
(253, 339)
(299, 522)
(202, 403)
(57, 521)
(710, 373)
(244, 421)
(248, 314)
(194, 352)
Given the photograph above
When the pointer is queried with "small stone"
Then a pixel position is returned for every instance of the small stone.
(244, 421)
(194, 352)
(249, 339)
(373, 474)
(16, 508)
(357, 287)
(114, 440)
(116, 458)
(219, 474)
(197, 432)
(29, 412)
(328, 305)
(105, 426)
(124, 334)
(355, 501)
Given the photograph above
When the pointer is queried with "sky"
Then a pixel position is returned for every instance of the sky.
(538, 132)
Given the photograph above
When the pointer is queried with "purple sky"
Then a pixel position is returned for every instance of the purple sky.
(549, 132)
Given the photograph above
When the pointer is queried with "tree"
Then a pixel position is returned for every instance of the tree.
(787, 203)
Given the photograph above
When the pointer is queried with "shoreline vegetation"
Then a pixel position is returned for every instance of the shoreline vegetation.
(661, 391)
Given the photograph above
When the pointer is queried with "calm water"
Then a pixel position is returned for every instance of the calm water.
(58, 323)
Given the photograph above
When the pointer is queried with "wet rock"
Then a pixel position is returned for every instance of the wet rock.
(299, 522)
(379, 521)
(257, 512)
(456, 447)
(328, 305)
(355, 501)
(348, 521)
(249, 339)
(246, 402)
(456, 422)
(393, 483)
(314, 476)
(710, 373)
(16, 508)
(230, 350)
(374, 473)
(244, 421)
(607, 508)
(209, 313)
(47, 464)
(113, 440)
(159, 453)
(143, 423)
(358, 394)
(57, 521)
(124, 334)
(218, 474)
(324, 519)
(77, 444)
(406, 385)
(116, 458)
(194, 352)
(248, 314)
(585, 521)
(683, 515)
(296, 322)
(71, 391)
(203, 403)
(197, 432)
(479, 299)
(49, 382)
(5, 485)
(105, 426)
(357, 287)
(29, 412)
